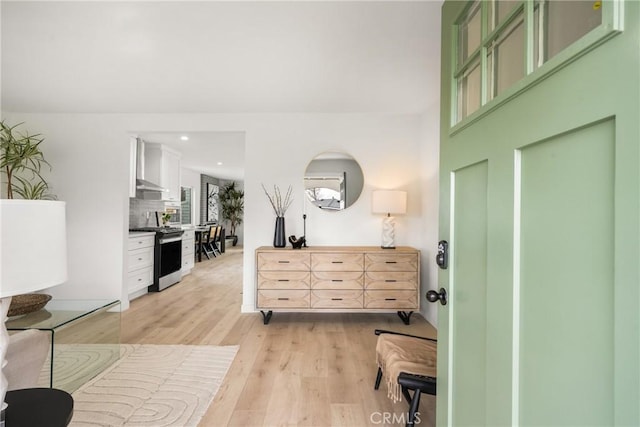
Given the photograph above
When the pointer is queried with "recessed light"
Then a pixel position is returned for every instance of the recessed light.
(219, 163)
(184, 138)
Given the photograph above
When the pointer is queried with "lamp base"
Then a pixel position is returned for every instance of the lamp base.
(388, 232)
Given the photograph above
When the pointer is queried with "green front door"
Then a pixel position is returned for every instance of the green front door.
(539, 202)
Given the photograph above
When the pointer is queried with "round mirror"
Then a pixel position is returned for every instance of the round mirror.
(333, 181)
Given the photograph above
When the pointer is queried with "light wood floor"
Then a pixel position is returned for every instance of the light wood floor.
(303, 369)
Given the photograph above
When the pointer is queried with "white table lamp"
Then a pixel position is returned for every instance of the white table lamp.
(33, 256)
(388, 202)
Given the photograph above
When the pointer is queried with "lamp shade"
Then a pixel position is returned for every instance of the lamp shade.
(33, 245)
(389, 202)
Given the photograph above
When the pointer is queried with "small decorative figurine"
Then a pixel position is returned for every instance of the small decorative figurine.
(296, 242)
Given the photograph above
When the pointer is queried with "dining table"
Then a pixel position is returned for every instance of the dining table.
(201, 233)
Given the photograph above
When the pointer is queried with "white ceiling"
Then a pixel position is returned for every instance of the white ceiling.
(205, 150)
(220, 57)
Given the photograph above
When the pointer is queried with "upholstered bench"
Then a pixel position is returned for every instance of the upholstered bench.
(407, 362)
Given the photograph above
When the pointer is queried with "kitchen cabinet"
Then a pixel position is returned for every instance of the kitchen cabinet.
(162, 167)
(338, 279)
(140, 261)
(188, 255)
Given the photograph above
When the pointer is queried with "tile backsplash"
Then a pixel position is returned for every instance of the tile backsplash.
(140, 209)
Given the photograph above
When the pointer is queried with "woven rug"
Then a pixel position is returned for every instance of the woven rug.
(154, 385)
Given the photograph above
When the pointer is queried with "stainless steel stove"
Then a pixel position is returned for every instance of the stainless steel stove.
(167, 256)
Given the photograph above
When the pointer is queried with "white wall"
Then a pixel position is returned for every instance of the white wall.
(90, 154)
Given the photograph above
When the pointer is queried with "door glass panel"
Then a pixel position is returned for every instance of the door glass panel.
(469, 33)
(498, 10)
(469, 91)
(505, 59)
(559, 23)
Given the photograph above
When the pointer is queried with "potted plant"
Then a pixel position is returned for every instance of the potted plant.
(232, 207)
(21, 161)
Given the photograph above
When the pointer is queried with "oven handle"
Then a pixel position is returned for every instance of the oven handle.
(170, 239)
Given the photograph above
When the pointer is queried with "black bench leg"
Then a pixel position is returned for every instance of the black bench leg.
(266, 316)
(406, 317)
(413, 408)
(378, 378)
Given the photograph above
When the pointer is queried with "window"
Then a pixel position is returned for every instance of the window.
(501, 43)
(185, 204)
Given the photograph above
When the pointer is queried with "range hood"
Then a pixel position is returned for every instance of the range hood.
(141, 183)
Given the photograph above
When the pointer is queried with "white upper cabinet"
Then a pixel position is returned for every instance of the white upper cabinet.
(162, 166)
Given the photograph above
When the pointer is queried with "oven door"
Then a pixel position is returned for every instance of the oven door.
(170, 255)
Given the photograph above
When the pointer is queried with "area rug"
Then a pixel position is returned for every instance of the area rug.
(154, 385)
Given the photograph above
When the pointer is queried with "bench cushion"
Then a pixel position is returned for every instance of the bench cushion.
(397, 353)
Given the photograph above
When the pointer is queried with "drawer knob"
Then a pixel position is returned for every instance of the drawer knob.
(389, 299)
(139, 280)
(336, 280)
(336, 299)
(390, 280)
(139, 259)
(391, 262)
(336, 262)
(283, 280)
(283, 262)
(283, 299)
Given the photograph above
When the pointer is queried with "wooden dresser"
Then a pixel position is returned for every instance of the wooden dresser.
(338, 279)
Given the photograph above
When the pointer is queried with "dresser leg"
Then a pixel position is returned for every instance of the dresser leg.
(266, 316)
(405, 317)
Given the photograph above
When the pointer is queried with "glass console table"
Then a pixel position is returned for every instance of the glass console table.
(85, 339)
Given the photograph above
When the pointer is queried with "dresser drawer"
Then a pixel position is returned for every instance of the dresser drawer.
(391, 299)
(337, 261)
(283, 261)
(140, 258)
(268, 298)
(283, 280)
(391, 262)
(140, 279)
(391, 280)
(337, 279)
(141, 242)
(336, 299)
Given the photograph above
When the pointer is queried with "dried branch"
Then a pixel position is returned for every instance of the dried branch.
(279, 204)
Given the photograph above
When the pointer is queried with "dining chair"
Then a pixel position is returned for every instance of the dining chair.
(214, 240)
(203, 241)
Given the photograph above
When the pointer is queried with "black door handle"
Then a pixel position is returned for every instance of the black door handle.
(433, 296)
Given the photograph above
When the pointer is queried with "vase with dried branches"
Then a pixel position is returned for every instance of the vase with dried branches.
(280, 205)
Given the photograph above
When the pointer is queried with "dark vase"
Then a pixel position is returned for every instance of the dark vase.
(279, 240)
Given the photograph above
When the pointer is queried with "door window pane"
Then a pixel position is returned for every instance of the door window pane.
(498, 10)
(559, 23)
(469, 33)
(505, 59)
(469, 91)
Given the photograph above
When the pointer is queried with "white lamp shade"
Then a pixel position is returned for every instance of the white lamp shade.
(33, 245)
(389, 202)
